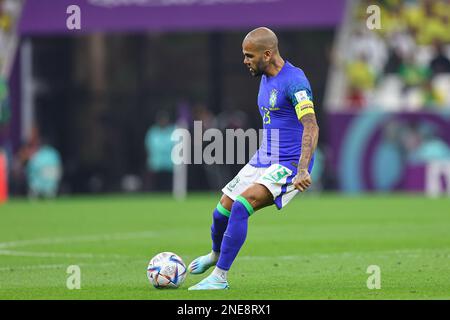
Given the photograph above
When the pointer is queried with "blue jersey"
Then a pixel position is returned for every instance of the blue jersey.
(278, 99)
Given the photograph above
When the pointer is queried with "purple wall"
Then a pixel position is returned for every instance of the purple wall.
(370, 151)
(49, 16)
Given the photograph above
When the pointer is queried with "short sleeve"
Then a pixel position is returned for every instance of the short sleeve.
(300, 95)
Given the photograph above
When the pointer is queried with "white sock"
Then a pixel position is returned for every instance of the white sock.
(222, 274)
(214, 256)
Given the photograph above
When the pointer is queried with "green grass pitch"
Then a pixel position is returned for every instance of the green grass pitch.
(318, 247)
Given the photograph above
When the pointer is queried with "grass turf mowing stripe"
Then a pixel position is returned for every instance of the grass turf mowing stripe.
(322, 244)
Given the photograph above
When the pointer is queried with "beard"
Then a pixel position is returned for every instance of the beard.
(259, 69)
(255, 73)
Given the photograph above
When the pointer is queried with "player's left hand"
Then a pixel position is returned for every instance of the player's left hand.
(302, 180)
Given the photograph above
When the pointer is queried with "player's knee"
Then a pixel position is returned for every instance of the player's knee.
(226, 202)
(251, 198)
(258, 196)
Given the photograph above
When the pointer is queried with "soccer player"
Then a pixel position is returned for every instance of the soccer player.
(279, 169)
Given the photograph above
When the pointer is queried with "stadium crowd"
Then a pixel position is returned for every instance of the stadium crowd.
(404, 65)
(9, 15)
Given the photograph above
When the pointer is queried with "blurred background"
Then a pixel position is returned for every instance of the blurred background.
(92, 110)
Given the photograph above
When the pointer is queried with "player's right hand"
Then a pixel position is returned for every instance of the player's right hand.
(302, 180)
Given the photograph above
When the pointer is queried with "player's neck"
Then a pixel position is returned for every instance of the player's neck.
(275, 68)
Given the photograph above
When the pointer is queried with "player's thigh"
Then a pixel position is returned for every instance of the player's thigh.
(258, 196)
(226, 202)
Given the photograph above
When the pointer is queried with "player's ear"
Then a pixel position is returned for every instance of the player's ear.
(267, 55)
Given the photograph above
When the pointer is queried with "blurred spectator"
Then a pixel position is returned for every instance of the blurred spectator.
(408, 29)
(9, 13)
(203, 114)
(5, 22)
(431, 146)
(158, 145)
(369, 45)
(402, 42)
(431, 96)
(232, 119)
(429, 22)
(361, 80)
(413, 74)
(440, 62)
(4, 102)
(318, 169)
(394, 62)
(20, 162)
(393, 17)
(44, 171)
(211, 175)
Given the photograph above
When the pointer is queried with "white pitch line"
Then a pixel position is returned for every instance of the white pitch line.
(186, 259)
(33, 267)
(59, 254)
(73, 239)
(410, 253)
(81, 238)
(61, 266)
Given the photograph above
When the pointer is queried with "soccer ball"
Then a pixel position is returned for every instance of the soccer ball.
(166, 270)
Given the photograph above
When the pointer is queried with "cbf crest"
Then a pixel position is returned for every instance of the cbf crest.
(273, 97)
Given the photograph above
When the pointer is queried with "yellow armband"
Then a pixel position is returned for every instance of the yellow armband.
(303, 108)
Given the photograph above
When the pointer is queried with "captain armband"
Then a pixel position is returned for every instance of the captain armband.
(303, 108)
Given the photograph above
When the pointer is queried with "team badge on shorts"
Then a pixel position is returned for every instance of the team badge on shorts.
(277, 174)
(233, 183)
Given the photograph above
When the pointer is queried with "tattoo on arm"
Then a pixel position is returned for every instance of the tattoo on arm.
(309, 139)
